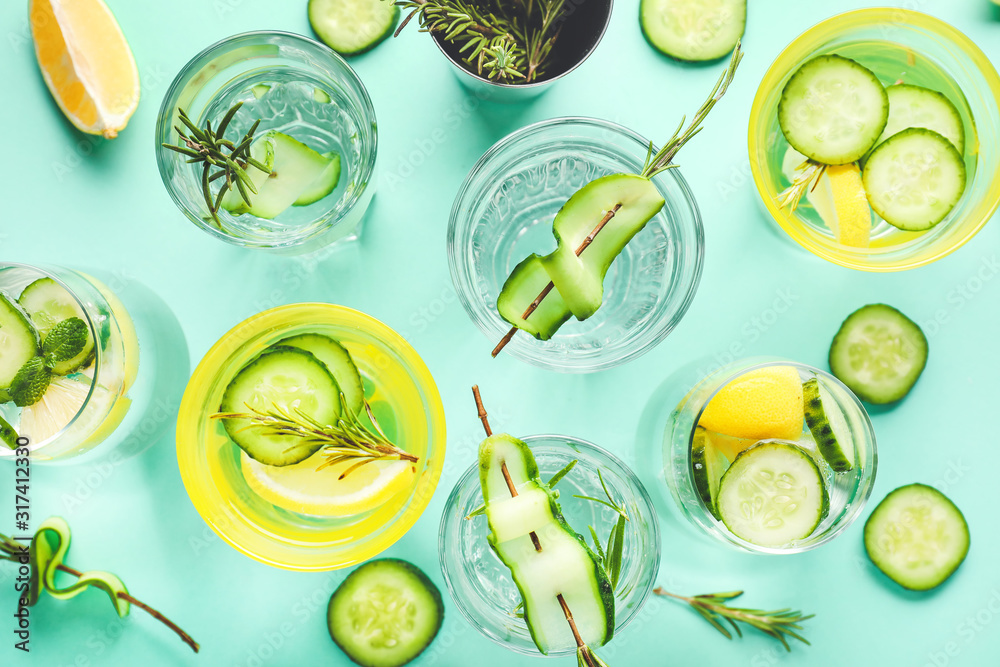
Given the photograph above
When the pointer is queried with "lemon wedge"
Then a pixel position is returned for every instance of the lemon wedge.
(86, 63)
(302, 488)
(839, 199)
(760, 404)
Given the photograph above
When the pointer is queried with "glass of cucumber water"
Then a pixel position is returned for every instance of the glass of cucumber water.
(480, 583)
(934, 80)
(769, 455)
(69, 357)
(317, 136)
(287, 502)
(505, 209)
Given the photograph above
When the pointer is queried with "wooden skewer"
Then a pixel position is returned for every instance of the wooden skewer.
(548, 288)
(503, 464)
(534, 538)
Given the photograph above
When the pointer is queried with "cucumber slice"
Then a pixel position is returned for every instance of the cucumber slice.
(693, 30)
(49, 303)
(913, 106)
(260, 90)
(833, 110)
(338, 361)
(291, 379)
(708, 465)
(917, 537)
(879, 353)
(294, 170)
(564, 566)
(19, 341)
(914, 179)
(579, 280)
(773, 495)
(8, 436)
(351, 27)
(261, 150)
(639, 200)
(522, 286)
(324, 184)
(385, 613)
(828, 425)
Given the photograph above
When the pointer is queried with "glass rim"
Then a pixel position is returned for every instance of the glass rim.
(184, 78)
(463, 272)
(50, 272)
(555, 440)
(203, 491)
(891, 258)
(861, 495)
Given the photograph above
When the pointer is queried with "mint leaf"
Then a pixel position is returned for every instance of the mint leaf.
(66, 340)
(30, 383)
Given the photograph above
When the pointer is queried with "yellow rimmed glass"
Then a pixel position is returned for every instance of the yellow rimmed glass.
(933, 54)
(402, 395)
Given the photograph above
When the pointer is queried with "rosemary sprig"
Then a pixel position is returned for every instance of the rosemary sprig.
(663, 159)
(779, 624)
(611, 555)
(504, 40)
(807, 176)
(211, 149)
(348, 439)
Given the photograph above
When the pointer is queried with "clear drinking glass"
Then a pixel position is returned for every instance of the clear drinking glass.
(481, 585)
(295, 86)
(401, 393)
(897, 44)
(848, 491)
(504, 212)
(84, 408)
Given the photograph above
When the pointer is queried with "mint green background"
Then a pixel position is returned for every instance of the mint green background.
(92, 204)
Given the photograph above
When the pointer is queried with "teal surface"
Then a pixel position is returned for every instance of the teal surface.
(73, 200)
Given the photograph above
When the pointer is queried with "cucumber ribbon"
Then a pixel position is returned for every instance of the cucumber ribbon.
(49, 547)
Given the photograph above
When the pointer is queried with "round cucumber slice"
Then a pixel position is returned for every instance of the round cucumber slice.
(385, 613)
(291, 380)
(878, 353)
(828, 426)
(773, 495)
(917, 537)
(914, 179)
(693, 30)
(351, 27)
(19, 341)
(338, 361)
(8, 435)
(833, 110)
(913, 106)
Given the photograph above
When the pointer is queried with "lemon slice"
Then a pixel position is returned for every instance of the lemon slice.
(302, 488)
(760, 404)
(839, 199)
(86, 63)
(57, 407)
